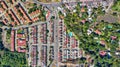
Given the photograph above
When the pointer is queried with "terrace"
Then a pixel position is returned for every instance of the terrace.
(34, 34)
(15, 19)
(21, 43)
(24, 13)
(34, 56)
(13, 40)
(44, 34)
(5, 21)
(44, 55)
(4, 5)
(35, 19)
(52, 32)
(35, 12)
(1, 10)
(19, 14)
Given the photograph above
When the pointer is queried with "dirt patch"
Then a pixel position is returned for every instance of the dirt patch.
(108, 18)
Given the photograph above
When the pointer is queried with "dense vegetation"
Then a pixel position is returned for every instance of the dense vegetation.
(116, 6)
(1, 44)
(10, 59)
(78, 23)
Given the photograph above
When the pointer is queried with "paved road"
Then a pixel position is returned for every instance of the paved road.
(23, 26)
(110, 5)
(48, 4)
(55, 39)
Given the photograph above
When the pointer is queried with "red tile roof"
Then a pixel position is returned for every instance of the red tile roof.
(19, 35)
(13, 1)
(98, 32)
(1, 10)
(21, 50)
(35, 12)
(13, 23)
(113, 37)
(12, 40)
(24, 13)
(102, 42)
(5, 21)
(102, 53)
(33, 55)
(4, 4)
(82, 9)
(21, 42)
(14, 17)
(48, 13)
(35, 19)
(83, 21)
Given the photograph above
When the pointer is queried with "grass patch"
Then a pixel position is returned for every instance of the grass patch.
(116, 6)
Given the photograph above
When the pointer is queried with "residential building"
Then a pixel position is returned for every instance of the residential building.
(12, 40)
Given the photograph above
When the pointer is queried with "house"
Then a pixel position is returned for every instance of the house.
(75, 44)
(21, 18)
(21, 42)
(5, 21)
(83, 21)
(98, 32)
(34, 56)
(13, 1)
(44, 33)
(13, 23)
(24, 13)
(88, 58)
(48, 13)
(44, 55)
(35, 12)
(5, 6)
(102, 53)
(113, 37)
(21, 50)
(102, 42)
(34, 34)
(14, 17)
(117, 53)
(1, 10)
(82, 9)
(35, 19)
(21, 45)
(89, 31)
(20, 35)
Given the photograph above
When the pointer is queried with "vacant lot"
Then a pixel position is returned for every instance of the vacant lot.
(108, 18)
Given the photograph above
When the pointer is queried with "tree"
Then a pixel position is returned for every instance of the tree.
(15, 59)
(114, 13)
(1, 45)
